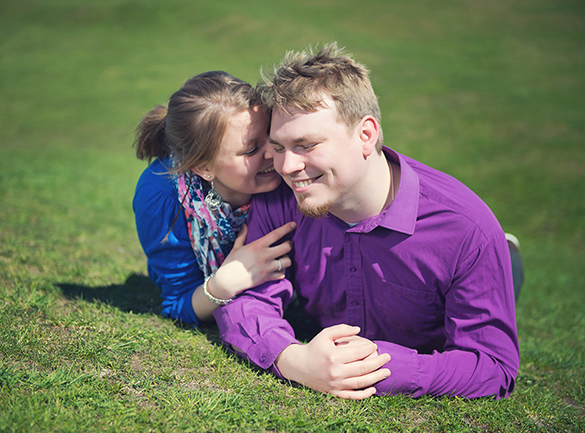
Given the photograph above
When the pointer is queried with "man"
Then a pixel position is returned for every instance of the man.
(405, 268)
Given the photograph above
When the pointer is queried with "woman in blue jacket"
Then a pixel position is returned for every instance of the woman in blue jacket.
(209, 150)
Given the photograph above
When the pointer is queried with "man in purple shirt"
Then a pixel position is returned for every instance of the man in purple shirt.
(404, 267)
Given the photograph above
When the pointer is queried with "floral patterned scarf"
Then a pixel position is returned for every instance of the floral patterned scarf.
(212, 232)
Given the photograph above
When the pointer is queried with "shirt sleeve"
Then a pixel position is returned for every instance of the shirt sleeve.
(252, 325)
(481, 355)
(172, 265)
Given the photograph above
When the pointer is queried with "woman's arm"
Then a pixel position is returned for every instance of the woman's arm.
(246, 266)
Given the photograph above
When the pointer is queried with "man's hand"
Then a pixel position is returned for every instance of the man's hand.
(337, 361)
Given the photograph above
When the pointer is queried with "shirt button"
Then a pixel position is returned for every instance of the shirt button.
(354, 303)
(352, 269)
(262, 358)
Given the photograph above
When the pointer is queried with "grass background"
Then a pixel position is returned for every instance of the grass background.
(490, 92)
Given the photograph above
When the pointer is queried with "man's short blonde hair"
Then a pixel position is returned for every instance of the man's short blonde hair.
(303, 78)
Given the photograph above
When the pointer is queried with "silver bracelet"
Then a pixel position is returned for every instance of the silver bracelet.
(211, 297)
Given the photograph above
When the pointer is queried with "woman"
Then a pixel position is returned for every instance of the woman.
(190, 203)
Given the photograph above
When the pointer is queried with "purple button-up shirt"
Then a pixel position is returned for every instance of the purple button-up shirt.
(428, 279)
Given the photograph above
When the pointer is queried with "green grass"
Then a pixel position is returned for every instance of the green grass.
(491, 92)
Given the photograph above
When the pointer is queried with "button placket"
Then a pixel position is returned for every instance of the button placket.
(354, 289)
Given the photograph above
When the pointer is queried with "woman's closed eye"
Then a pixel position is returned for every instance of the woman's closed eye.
(252, 151)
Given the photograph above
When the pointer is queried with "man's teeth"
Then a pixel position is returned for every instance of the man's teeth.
(303, 183)
(268, 170)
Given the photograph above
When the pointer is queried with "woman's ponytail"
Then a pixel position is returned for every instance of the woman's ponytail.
(151, 140)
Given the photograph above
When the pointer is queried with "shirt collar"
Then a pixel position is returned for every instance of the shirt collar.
(400, 215)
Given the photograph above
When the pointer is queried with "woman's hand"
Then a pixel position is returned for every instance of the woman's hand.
(250, 265)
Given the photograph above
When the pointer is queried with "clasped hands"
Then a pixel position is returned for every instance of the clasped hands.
(337, 361)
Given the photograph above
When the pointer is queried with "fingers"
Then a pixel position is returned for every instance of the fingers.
(279, 250)
(367, 366)
(272, 237)
(361, 376)
(354, 339)
(241, 238)
(350, 394)
(351, 354)
(367, 380)
(280, 264)
(362, 366)
(372, 355)
(272, 258)
(336, 332)
(351, 348)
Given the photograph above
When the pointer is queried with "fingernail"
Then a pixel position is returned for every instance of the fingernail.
(293, 225)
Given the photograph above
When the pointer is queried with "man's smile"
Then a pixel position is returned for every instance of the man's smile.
(300, 184)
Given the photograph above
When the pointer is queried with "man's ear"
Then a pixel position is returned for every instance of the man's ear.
(368, 130)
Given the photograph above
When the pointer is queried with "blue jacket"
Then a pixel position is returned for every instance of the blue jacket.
(171, 265)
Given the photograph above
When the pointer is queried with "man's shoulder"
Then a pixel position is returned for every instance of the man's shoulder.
(440, 189)
(281, 198)
(442, 186)
(271, 210)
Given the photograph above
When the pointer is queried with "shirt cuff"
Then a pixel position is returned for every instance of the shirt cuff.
(405, 370)
(244, 339)
(264, 353)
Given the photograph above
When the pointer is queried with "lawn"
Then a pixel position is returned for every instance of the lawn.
(490, 92)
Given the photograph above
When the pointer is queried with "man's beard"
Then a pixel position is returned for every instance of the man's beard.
(318, 211)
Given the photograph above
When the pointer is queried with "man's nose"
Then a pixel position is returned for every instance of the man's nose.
(290, 163)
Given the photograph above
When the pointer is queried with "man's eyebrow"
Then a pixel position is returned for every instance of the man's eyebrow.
(303, 139)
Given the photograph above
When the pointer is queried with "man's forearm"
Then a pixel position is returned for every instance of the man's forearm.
(455, 373)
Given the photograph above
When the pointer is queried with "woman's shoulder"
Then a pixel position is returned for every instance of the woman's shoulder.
(155, 191)
(156, 207)
(156, 177)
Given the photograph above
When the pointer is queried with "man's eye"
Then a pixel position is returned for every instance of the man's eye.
(278, 149)
(308, 146)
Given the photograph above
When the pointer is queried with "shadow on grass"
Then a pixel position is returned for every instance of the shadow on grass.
(138, 294)
(305, 328)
